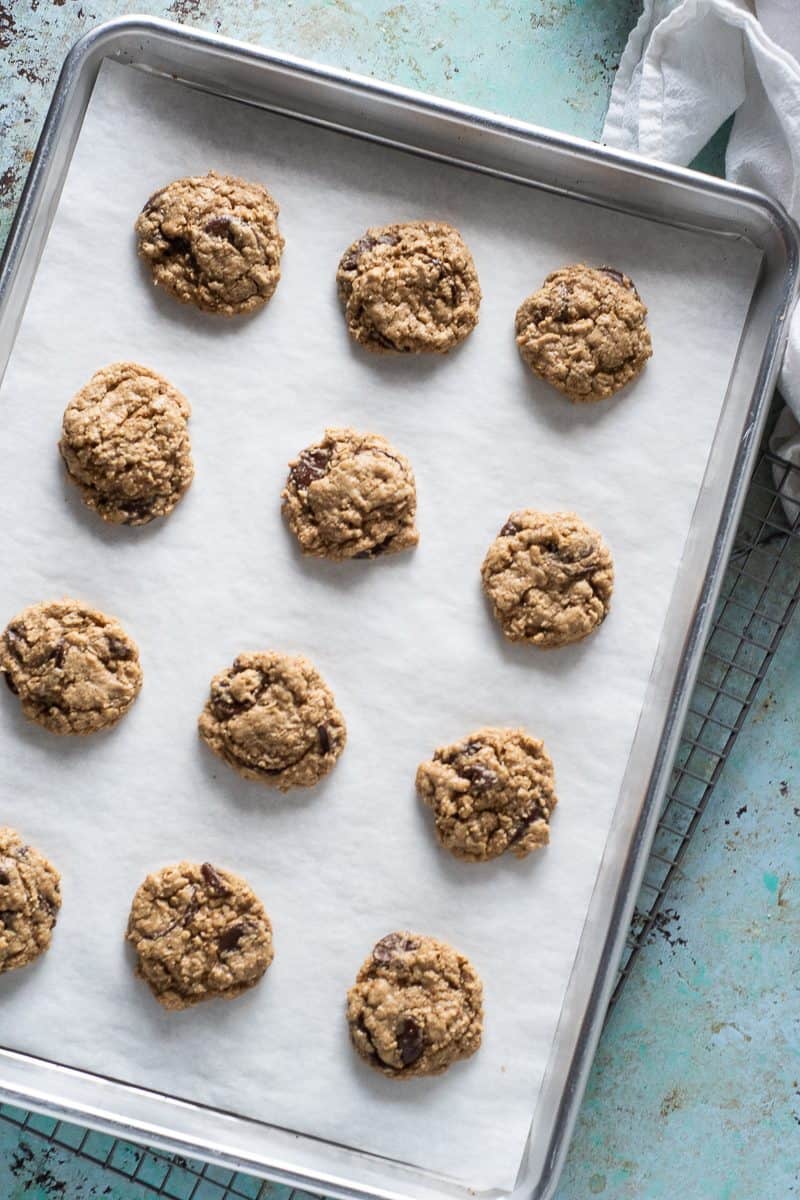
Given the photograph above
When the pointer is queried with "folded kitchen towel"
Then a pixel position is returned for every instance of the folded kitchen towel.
(689, 65)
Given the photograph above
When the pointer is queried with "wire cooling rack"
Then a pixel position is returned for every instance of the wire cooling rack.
(760, 592)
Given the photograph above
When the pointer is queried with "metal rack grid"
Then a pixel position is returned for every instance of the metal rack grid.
(760, 592)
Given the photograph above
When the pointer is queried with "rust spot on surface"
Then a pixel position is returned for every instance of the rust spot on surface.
(7, 26)
(8, 181)
(673, 1100)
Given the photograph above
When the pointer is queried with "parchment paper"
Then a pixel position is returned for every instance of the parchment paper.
(407, 644)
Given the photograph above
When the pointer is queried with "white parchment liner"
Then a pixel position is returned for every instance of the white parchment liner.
(407, 644)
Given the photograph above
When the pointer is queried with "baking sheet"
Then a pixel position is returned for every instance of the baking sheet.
(407, 643)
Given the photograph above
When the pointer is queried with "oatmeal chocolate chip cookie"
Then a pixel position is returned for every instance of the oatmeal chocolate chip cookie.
(273, 718)
(584, 331)
(30, 897)
(199, 932)
(74, 669)
(351, 495)
(416, 1006)
(493, 791)
(411, 288)
(549, 578)
(212, 241)
(125, 443)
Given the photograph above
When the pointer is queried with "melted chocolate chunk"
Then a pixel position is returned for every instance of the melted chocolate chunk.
(60, 653)
(536, 814)
(230, 938)
(4, 878)
(214, 880)
(367, 243)
(480, 778)
(410, 1041)
(509, 529)
(117, 648)
(218, 226)
(392, 946)
(223, 705)
(614, 274)
(324, 739)
(311, 465)
(14, 639)
(136, 509)
(151, 204)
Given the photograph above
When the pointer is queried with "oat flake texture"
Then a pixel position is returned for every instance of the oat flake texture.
(410, 288)
(416, 1007)
(213, 241)
(74, 669)
(548, 577)
(200, 933)
(125, 444)
(30, 899)
(584, 331)
(491, 792)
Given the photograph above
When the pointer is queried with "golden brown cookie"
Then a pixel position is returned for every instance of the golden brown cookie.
(199, 933)
(74, 669)
(212, 241)
(125, 443)
(351, 495)
(584, 331)
(30, 899)
(273, 718)
(549, 578)
(491, 792)
(410, 287)
(416, 1007)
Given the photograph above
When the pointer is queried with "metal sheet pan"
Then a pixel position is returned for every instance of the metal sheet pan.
(566, 167)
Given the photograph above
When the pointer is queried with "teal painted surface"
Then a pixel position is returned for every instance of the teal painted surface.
(549, 61)
(696, 1088)
(695, 1091)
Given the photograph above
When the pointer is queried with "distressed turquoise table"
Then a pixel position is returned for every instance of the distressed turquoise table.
(695, 1091)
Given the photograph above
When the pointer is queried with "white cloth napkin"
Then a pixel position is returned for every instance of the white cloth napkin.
(690, 64)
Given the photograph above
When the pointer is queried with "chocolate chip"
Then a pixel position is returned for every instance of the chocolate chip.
(573, 551)
(151, 204)
(213, 879)
(60, 653)
(117, 648)
(14, 639)
(615, 274)
(410, 1041)
(224, 706)
(178, 245)
(509, 529)
(229, 938)
(310, 466)
(12, 687)
(481, 778)
(367, 243)
(137, 509)
(472, 747)
(378, 549)
(218, 226)
(392, 946)
(324, 739)
(536, 814)
(4, 878)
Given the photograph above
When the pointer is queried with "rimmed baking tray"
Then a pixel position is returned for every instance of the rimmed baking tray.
(719, 215)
